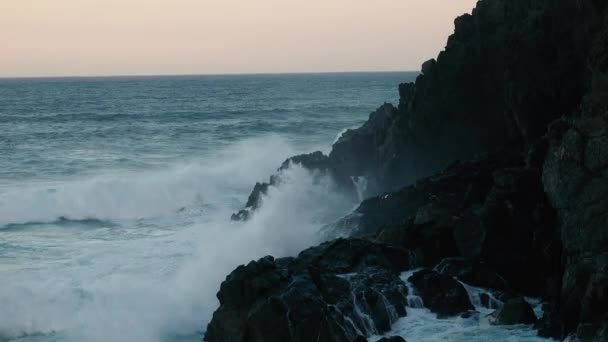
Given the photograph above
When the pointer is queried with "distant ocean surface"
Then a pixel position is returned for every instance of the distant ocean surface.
(116, 193)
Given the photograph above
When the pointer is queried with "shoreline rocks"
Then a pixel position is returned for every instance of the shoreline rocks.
(334, 292)
(514, 311)
(515, 112)
(441, 293)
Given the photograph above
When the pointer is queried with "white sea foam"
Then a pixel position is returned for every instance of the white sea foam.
(421, 324)
(144, 279)
(139, 195)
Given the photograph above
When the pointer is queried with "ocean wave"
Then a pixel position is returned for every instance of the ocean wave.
(118, 195)
(138, 290)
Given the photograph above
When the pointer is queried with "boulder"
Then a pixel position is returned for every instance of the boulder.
(514, 311)
(441, 293)
(333, 292)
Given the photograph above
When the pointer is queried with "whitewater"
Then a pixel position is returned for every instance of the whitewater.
(116, 196)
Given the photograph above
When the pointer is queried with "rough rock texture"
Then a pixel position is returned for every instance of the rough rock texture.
(576, 180)
(514, 311)
(333, 292)
(441, 293)
(520, 96)
(509, 69)
(491, 211)
(473, 272)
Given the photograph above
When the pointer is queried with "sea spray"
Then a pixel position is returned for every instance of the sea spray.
(133, 195)
(162, 287)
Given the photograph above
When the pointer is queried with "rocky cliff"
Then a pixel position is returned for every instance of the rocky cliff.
(520, 96)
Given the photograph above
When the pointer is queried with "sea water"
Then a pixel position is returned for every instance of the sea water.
(116, 194)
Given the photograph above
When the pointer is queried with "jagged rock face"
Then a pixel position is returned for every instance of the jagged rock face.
(492, 209)
(359, 152)
(441, 293)
(509, 69)
(534, 224)
(576, 181)
(334, 292)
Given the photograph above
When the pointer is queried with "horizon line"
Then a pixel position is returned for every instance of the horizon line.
(210, 74)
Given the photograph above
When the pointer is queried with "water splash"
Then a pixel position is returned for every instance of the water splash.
(422, 325)
(145, 277)
(413, 300)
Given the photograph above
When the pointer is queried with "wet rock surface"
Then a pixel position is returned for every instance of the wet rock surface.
(441, 293)
(334, 292)
(515, 112)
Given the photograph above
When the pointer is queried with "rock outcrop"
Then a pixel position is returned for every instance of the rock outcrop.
(334, 292)
(575, 177)
(441, 293)
(520, 97)
(510, 68)
(514, 311)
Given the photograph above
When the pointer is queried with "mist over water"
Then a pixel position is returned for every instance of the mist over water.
(116, 194)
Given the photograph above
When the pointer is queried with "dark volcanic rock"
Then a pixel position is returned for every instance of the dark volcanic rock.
(315, 162)
(253, 202)
(575, 178)
(333, 292)
(514, 311)
(392, 339)
(509, 69)
(473, 272)
(441, 293)
(492, 211)
(525, 78)
(434, 200)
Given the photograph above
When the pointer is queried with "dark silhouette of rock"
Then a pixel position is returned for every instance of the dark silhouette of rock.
(520, 97)
(441, 293)
(332, 292)
(473, 272)
(575, 180)
(392, 339)
(514, 311)
(509, 69)
(492, 211)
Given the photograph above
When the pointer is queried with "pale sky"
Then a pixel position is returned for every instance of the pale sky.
(153, 37)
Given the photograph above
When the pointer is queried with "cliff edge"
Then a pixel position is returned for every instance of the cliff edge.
(492, 169)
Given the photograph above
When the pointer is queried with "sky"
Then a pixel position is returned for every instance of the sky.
(157, 37)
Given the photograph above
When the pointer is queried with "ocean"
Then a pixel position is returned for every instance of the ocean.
(116, 195)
